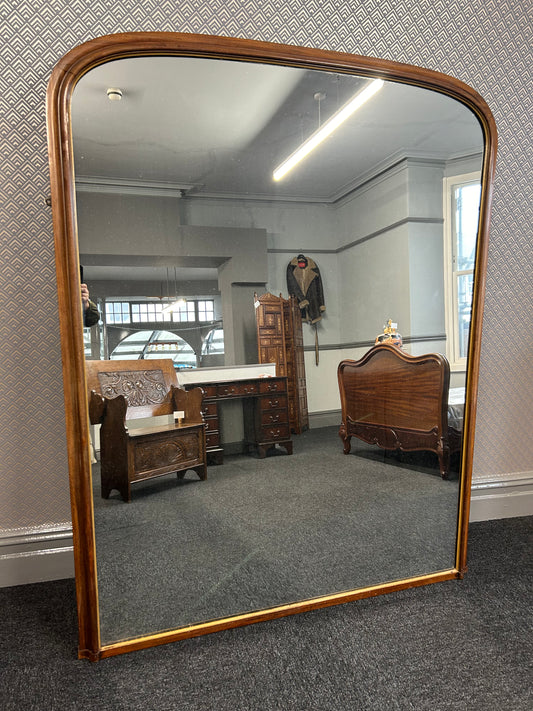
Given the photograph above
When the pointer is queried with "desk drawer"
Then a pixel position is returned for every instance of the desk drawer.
(274, 433)
(273, 417)
(237, 389)
(209, 409)
(211, 424)
(212, 439)
(209, 390)
(272, 386)
(273, 403)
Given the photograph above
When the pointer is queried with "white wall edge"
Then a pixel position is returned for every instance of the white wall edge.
(502, 497)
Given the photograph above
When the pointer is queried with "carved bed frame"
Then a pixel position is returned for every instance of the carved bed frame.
(399, 402)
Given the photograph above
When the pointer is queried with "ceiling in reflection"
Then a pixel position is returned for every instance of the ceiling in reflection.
(220, 128)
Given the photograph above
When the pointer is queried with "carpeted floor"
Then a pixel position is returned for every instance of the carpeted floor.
(264, 532)
(460, 645)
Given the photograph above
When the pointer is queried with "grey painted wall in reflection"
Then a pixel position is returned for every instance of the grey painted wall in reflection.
(397, 273)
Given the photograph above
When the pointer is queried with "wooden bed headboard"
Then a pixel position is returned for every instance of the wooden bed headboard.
(396, 401)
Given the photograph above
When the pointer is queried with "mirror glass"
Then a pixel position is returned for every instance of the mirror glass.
(176, 200)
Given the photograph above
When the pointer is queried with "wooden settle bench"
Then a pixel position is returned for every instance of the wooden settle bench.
(122, 390)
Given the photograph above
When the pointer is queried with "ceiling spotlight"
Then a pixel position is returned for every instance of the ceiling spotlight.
(114, 94)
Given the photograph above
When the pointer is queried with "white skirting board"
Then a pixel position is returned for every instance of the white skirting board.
(504, 497)
(36, 557)
(40, 557)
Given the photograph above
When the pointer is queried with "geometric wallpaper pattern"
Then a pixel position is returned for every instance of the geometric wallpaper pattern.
(486, 43)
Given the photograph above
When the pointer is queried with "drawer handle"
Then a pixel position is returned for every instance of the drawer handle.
(273, 403)
(274, 418)
(229, 391)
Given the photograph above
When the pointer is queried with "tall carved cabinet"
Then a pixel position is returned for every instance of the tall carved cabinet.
(280, 341)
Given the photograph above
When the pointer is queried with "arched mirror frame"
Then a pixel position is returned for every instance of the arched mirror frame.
(64, 78)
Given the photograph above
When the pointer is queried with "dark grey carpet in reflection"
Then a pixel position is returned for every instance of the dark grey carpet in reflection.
(260, 533)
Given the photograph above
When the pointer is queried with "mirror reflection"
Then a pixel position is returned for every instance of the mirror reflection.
(255, 289)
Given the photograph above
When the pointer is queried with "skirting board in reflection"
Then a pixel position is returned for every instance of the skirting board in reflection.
(326, 418)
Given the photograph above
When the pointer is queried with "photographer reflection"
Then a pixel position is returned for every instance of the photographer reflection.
(91, 315)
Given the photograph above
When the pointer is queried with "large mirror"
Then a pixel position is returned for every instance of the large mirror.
(164, 150)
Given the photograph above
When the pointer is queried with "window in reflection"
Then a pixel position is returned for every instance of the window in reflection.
(117, 312)
(214, 342)
(87, 342)
(155, 344)
(462, 195)
(184, 312)
(122, 312)
(142, 313)
(206, 310)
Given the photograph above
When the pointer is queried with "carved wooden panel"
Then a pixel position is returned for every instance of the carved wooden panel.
(271, 332)
(150, 454)
(139, 387)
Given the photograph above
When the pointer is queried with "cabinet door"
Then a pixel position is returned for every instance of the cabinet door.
(291, 373)
(280, 341)
(271, 332)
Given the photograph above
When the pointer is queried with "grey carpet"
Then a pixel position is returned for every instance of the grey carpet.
(460, 645)
(264, 532)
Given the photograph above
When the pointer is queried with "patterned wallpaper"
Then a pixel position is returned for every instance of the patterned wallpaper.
(486, 43)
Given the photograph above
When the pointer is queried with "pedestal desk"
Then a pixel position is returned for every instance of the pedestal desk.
(266, 413)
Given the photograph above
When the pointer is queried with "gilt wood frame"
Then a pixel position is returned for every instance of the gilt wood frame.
(63, 80)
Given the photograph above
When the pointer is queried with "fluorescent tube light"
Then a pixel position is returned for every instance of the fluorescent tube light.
(327, 128)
